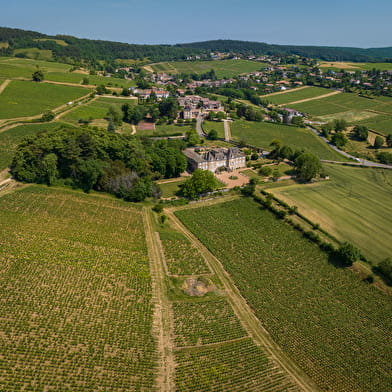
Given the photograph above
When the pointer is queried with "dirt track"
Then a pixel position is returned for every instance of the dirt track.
(312, 98)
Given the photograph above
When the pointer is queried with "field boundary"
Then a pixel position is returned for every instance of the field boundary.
(246, 316)
(162, 319)
(312, 98)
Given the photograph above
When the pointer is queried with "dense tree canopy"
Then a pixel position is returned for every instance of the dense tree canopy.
(308, 166)
(202, 181)
(95, 159)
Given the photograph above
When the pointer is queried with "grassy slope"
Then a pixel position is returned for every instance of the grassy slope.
(330, 322)
(21, 98)
(354, 206)
(78, 298)
(292, 96)
(262, 134)
(217, 125)
(169, 189)
(10, 139)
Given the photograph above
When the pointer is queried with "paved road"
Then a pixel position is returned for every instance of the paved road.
(358, 162)
(199, 129)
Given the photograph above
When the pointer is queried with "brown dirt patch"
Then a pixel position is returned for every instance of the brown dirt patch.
(198, 287)
(146, 126)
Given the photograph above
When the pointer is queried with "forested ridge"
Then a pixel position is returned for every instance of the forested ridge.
(77, 49)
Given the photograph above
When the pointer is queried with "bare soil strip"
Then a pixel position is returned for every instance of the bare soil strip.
(162, 325)
(245, 314)
(285, 91)
(226, 125)
(312, 98)
(4, 85)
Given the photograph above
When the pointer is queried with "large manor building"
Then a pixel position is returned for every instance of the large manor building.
(213, 160)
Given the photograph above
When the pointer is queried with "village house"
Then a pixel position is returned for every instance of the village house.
(193, 105)
(215, 159)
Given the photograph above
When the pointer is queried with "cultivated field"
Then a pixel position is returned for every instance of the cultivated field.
(10, 139)
(35, 53)
(293, 96)
(354, 205)
(348, 106)
(223, 68)
(355, 66)
(22, 98)
(261, 134)
(334, 326)
(380, 123)
(76, 299)
(210, 347)
(96, 109)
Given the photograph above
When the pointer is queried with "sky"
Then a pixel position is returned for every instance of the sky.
(359, 23)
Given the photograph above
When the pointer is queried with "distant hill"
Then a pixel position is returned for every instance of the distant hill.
(70, 49)
(327, 53)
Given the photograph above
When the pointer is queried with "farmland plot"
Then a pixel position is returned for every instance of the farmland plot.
(76, 294)
(334, 326)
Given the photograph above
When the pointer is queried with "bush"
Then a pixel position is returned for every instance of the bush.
(348, 253)
(158, 208)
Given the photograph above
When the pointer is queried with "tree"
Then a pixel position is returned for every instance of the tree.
(276, 145)
(385, 267)
(361, 132)
(115, 115)
(389, 140)
(298, 121)
(47, 116)
(49, 164)
(220, 116)
(38, 76)
(212, 135)
(101, 90)
(202, 181)
(111, 127)
(340, 125)
(339, 139)
(86, 81)
(378, 142)
(348, 253)
(192, 138)
(385, 157)
(308, 166)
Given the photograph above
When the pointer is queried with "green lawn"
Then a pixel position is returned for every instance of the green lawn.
(292, 96)
(217, 125)
(169, 189)
(22, 98)
(333, 325)
(223, 68)
(165, 130)
(10, 139)
(355, 205)
(261, 134)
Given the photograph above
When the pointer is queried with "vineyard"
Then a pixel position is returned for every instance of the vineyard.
(76, 294)
(212, 350)
(235, 366)
(181, 258)
(335, 326)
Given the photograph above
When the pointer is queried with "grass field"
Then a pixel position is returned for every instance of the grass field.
(217, 125)
(355, 66)
(292, 96)
(354, 205)
(35, 53)
(380, 123)
(10, 139)
(261, 135)
(165, 130)
(223, 68)
(22, 98)
(96, 109)
(77, 306)
(169, 189)
(334, 326)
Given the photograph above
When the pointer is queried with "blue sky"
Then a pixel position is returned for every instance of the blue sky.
(361, 23)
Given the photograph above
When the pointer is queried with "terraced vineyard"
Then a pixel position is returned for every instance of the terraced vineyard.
(333, 325)
(76, 294)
